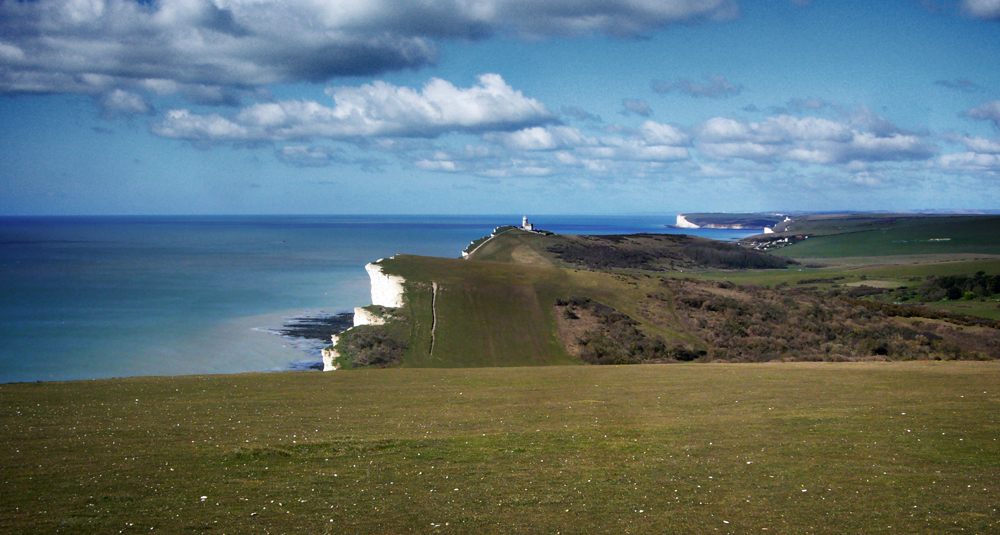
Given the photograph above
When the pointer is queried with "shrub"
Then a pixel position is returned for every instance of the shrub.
(371, 345)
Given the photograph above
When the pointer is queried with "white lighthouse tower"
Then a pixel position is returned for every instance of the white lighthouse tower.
(525, 225)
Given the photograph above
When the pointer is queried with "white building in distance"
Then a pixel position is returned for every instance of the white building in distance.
(525, 225)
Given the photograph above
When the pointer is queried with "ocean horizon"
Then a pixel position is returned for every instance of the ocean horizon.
(90, 297)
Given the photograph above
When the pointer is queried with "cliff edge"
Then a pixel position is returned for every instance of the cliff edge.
(387, 291)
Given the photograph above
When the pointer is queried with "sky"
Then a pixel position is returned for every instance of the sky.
(119, 107)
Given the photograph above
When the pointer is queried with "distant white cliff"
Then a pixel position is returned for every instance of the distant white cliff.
(387, 291)
(682, 222)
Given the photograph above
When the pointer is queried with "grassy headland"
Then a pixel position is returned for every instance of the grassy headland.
(506, 305)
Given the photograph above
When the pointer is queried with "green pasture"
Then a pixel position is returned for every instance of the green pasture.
(497, 313)
(901, 273)
(887, 236)
(789, 448)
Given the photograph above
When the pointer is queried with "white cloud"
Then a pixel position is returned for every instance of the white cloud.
(636, 151)
(745, 150)
(371, 110)
(989, 111)
(811, 140)
(118, 103)
(983, 9)
(50, 45)
(655, 133)
(543, 138)
(970, 162)
(437, 165)
(981, 144)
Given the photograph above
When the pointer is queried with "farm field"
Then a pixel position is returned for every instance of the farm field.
(867, 235)
(789, 448)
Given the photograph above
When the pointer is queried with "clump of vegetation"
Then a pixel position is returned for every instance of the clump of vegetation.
(911, 311)
(371, 345)
(659, 252)
(614, 338)
(728, 256)
(753, 324)
(933, 288)
(606, 252)
(953, 287)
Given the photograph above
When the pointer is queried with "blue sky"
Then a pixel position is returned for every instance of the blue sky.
(497, 106)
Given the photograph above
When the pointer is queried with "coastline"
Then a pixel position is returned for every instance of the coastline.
(163, 309)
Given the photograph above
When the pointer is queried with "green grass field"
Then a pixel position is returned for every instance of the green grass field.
(492, 313)
(884, 236)
(790, 448)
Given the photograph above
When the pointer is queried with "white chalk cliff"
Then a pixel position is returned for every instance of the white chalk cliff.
(387, 291)
(330, 355)
(682, 222)
(363, 316)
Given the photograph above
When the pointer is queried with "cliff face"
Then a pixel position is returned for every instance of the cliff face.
(330, 355)
(682, 222)
(387, 290)
(363, 317)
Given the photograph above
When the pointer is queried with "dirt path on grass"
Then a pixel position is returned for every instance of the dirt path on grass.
(434, 314)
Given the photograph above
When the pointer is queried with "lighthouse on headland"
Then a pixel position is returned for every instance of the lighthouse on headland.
(525, 225)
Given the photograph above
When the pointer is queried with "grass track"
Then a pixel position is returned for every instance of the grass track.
(794, 448)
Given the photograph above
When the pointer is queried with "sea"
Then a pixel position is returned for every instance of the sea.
(99, 297)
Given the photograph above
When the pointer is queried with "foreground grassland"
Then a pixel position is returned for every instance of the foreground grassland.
(727, 448)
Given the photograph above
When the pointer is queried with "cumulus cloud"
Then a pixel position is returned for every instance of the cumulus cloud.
(983, 9)
(970, 162)
(121, 103)
(809, 140)
(634, 150)
(371, 110)
(81, 46)
(989, 111)
(638, 107)
(714, 87)
(654, 133)
(543, 138)
(853, 144)
(981, 144)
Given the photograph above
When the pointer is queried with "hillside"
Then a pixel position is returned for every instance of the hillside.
(645, 252)
(525, 299)
(863, 235)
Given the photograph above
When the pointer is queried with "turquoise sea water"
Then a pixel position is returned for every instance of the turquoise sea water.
(95, 297)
